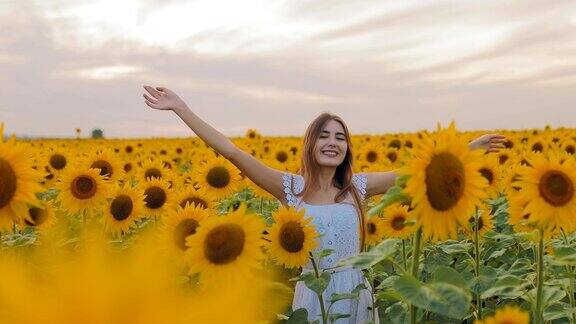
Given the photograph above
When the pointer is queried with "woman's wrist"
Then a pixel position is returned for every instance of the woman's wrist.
(180, 107)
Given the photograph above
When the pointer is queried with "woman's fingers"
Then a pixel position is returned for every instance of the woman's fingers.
(152, 105)
(152, 91)
(147, 97)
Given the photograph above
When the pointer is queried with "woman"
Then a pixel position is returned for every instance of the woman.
(325, 186)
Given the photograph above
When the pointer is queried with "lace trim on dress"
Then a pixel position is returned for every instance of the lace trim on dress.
(359, 180)
(292, 181)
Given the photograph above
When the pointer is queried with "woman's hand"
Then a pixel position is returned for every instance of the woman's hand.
(489, 142)
(163, 99)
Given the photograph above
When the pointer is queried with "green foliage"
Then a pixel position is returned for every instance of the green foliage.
(364, 260)
(445, 296)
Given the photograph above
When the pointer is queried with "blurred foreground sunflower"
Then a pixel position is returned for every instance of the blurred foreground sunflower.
(226, 248)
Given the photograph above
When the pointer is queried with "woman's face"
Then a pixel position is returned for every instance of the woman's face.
(331, 146)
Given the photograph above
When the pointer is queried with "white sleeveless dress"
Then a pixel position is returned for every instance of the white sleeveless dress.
(339, 225)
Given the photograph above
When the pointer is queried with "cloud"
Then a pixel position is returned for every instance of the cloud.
(384, 66)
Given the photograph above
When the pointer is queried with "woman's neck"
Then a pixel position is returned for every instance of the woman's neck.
(325, 177)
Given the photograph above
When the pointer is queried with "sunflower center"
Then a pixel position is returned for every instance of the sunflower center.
(398, 223)
(38, 216)
(152, 173)
(8, 182)
(104, 166)
(121, 207)
(224, 243)
(487, 173)
(371, 156)
(127, 167)
(83, 187)
(392, 156)
(196, 200)
(445, 180)
(184, 229)
(58, 161)
(371, 228)
(218, 177)
(395, 143)
(292, 236)
(537, 147)
(281, 156)
(556, 188)
(155, 197)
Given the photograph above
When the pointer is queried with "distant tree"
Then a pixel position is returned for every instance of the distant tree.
(97, 133)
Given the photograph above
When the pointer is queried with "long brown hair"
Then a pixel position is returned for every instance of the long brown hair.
(309, 168)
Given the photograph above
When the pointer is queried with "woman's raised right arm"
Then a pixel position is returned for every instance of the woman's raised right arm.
(265, 177)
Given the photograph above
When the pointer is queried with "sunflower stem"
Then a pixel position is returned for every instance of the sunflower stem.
(404, 253)
(570, 272)
(415, 265)
(373, 300)
(477, 261)
(320, 297)
(540, 277)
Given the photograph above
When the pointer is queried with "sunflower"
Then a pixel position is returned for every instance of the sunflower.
(82, 190)
(190, 195)
(110, 166)
(484, 222)
(126, 206)
(444, 183)
(57, 159)
(219, 178)
(181, 224)
(520, 220)
(393, 156)
(549, 188)
(41, 217)
(18, 182)
(507, 315)
(281, 154)
(292, 237)
(158, 197)
(374, 230)
(226, 248)
(156, 168)
(372, 154)
(490, 170)
(258, 192)
(396, 222)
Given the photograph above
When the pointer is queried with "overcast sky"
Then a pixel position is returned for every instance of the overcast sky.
(384, 66)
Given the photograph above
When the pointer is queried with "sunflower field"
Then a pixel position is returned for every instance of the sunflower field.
(168, 231)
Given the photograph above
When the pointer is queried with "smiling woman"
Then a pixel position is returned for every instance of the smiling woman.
(325, 187)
